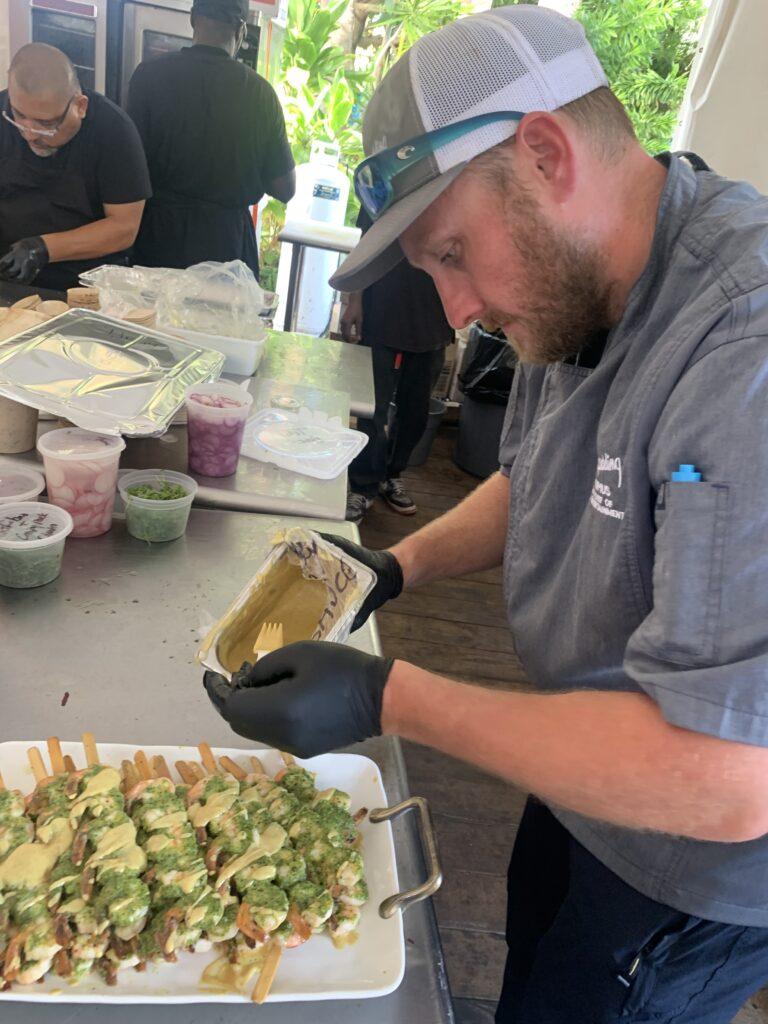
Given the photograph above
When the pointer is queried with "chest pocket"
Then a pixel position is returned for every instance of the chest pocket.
(691, 527)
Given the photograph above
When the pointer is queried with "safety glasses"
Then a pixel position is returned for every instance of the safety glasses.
(47, 133)
(375, 176)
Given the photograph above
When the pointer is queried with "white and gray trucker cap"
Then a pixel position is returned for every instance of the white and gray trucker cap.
(520, 58)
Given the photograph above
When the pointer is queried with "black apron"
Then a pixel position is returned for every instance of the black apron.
(38, 200)
(177, 231)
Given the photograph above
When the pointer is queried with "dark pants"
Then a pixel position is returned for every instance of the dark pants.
(585, 948)
(385, 456)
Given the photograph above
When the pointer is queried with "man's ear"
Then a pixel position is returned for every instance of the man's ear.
(81, 105)
(546, 152)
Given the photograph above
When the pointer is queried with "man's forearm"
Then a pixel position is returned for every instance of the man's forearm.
(609, 756)
(99, 238)
(469, 538)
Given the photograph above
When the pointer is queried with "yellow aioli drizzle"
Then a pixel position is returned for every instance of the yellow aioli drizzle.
(101, 782)
(29, 865)
(118, 848)
(219, 803)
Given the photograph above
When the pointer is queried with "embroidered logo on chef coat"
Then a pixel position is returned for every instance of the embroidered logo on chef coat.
(606, 490)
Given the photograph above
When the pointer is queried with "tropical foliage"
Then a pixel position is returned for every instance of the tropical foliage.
(336, 52)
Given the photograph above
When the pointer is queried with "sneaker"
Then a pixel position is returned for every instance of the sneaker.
(357, 506)
(393, 492)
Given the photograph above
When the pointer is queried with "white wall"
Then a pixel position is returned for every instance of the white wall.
(724, 117)
(5, 57)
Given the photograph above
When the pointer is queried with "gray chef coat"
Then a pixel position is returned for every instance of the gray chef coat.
(617, 579)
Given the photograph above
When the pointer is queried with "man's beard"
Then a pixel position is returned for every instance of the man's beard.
(566, 284)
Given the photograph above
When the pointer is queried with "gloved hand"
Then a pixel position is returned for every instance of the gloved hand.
(306, 698)
(24, 260)
(389, 574)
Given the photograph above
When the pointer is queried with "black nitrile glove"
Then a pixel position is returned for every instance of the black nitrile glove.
(24, 260)
(306, 698)
(389, 574)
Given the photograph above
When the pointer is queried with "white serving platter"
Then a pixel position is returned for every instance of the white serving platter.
(373, 966)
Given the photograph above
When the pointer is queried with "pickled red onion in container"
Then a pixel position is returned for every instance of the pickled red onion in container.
(81, 476)
(216, 418)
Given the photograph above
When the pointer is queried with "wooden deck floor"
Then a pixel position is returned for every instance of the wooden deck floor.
(458, 628)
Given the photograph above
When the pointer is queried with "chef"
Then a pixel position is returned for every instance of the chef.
(73, 177)
(215, 139)
(630, 512)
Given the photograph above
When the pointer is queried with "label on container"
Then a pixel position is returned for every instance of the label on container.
(29, 526)
(326, 192)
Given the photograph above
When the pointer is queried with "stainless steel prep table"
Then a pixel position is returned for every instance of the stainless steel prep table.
(321, 363)
(255, 486)
(118, 632)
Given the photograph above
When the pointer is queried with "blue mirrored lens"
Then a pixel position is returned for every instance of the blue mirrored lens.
(371, 189)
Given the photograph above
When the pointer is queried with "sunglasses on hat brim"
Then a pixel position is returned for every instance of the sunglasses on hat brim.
(374, 178)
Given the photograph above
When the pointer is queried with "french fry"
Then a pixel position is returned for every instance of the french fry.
(130, 774)
(256, 764)
(160, 767)
(141, 762)
(89, 745)
(188, 777)
(55, 755)
(69, 764)
(2, 782)
(268, 972)
(37, 764)
(288, 759)
(233, 768)
(209, 761)
(196, 770)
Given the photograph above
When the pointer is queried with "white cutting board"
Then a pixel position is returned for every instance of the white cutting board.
(373, 966)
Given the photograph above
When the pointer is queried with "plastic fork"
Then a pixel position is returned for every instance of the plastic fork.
(269, 639)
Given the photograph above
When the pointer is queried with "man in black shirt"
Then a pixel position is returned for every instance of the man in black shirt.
(73, 177)
(214, 135)
(401, 318)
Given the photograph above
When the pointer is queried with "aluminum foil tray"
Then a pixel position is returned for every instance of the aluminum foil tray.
(103, 374)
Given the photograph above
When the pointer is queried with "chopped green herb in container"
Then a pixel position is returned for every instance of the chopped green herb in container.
(157, 503)
(32, 536)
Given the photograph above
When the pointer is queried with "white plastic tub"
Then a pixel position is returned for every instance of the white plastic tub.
(242, 355)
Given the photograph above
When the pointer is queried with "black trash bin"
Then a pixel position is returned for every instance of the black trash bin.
(485, 380)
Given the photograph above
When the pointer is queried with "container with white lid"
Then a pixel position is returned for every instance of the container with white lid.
(32, 536)
(19, 484)
(81, 474)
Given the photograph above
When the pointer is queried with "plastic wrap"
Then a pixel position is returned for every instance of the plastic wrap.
(213, 298)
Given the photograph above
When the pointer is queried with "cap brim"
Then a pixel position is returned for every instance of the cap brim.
(378, 251)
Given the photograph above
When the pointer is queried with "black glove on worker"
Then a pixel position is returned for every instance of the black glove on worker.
(389, 575)
(24, 260)
(306, 698)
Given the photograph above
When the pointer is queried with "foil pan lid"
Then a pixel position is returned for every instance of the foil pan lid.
(103, 374)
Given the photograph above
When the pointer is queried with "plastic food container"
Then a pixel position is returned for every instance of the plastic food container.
(241, 355)
(158, 518)
(32, 537)
(81, 474)
(216, 417)
(18, 427)
(19, 484)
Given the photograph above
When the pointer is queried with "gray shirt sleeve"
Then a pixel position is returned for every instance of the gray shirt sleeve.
(702, 652)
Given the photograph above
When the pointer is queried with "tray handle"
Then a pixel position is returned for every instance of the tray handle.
(403, 900)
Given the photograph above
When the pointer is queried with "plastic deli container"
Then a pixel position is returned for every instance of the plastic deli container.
(154, 514)
(81, 474)
(18, 427)
(17, 484)
(216, 417)
(32, 537)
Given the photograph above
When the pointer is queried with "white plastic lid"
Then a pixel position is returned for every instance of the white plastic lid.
(76, 443)
(32, 524)
(18, 484)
